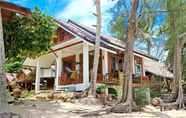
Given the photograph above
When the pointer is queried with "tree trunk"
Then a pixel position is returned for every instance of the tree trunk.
(3, 102)
(148, 46)
(179, 70)
(175, 87)
(97, 50)
(129, 57)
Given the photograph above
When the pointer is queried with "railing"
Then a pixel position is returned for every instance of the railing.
(111, 79)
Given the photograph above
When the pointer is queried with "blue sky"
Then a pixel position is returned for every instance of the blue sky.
(78, 10)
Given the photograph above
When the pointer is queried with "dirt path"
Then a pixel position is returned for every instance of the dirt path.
(54, 109)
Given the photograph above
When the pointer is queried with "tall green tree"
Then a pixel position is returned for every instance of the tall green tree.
(22, 37)
(28, 36)
(128, 104)
(176, 31)
(145, 23)
(146, 31)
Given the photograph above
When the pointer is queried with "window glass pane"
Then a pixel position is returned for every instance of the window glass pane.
(137, 70)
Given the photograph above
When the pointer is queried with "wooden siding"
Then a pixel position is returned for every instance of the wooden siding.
(61, 36)
(14, 8)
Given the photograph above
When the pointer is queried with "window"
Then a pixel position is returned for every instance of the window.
(138, 70)
(113, 64)
(69, 64)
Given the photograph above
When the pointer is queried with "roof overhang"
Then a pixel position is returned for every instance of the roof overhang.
(157, 68)
(15, 8)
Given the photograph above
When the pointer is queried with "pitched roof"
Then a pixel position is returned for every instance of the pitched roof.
(89, 35)
(157, 68)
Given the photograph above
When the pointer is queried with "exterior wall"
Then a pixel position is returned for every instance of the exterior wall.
(47, 72)
(117, 85)
(77, 55)
(62, 36)
(14, 8)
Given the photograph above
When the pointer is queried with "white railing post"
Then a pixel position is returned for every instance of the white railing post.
(37, 81)
(105, 62)
(85, 65)
(58, 71)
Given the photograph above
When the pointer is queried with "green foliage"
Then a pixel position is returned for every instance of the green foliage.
(145, 21)
(13, 65)
(28, 36)
(27, 94)
(142, 96)
(100, 89)
(112, 92)
(118, 28)
(176, 25)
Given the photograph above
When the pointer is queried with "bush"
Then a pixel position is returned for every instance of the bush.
(100, 89)
(27, 94)
(113, 92)
(142, 96)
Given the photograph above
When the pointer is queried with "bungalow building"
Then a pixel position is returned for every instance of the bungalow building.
(69, 63)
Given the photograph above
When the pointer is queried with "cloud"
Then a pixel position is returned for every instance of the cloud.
(82, 11)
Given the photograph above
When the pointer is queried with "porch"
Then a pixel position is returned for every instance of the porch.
(70, 65)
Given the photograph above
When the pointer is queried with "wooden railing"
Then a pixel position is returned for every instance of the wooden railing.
(110, 79)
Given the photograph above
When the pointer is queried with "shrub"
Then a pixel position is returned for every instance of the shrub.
(100, 89)
(142, 96)
(112, 92)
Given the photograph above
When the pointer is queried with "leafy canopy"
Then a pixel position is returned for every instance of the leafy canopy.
(146, 22)
(27, 37)
(175, 26)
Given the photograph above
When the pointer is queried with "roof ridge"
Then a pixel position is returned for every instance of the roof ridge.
(104, 37)
(81, 27)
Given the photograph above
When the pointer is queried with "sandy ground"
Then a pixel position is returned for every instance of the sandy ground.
(53, 109)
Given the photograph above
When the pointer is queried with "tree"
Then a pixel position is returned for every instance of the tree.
(96, 48)
(178, 68)
(147, 30)
(129, 104)
(129, 57)
(176, 42)
(28, 36)
(23, 37)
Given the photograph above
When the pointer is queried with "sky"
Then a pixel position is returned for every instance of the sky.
(80, 11)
